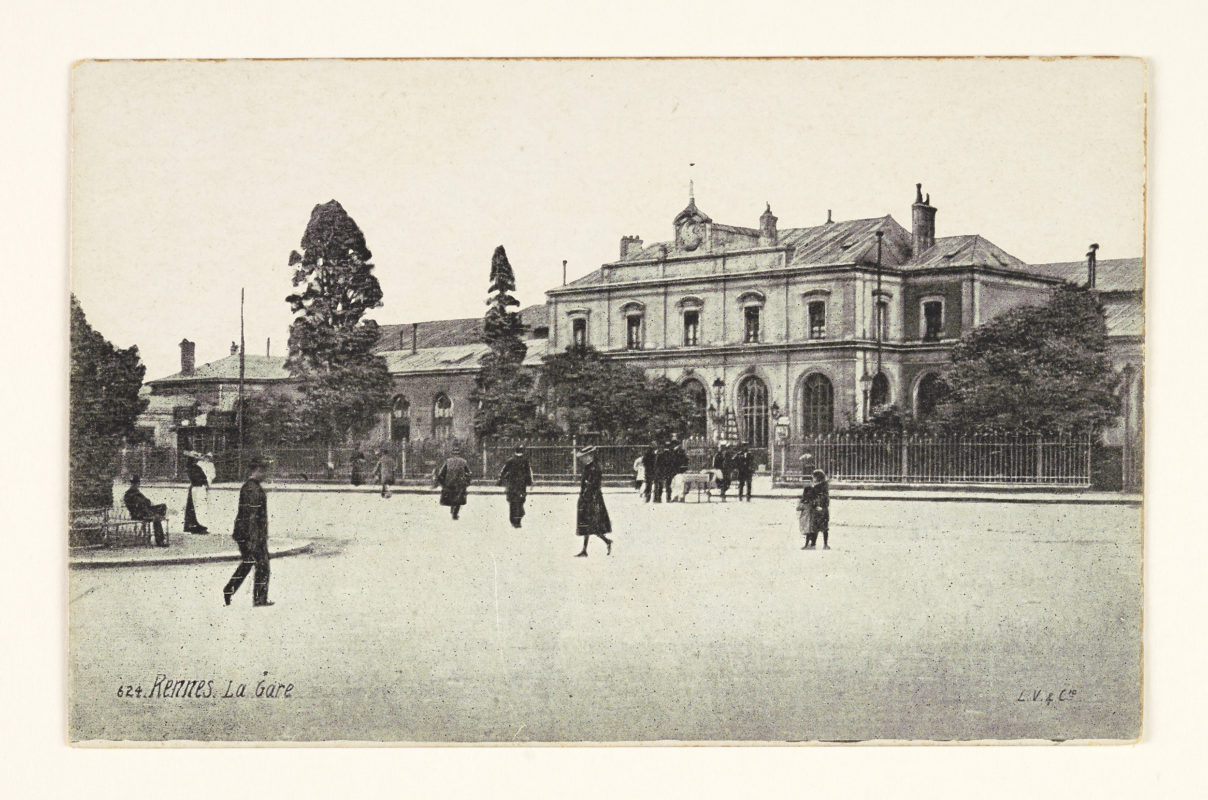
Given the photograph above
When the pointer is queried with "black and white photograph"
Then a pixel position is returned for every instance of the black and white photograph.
(573, 401)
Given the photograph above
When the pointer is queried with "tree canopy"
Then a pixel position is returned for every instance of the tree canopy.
(1036, 368)
(344, 385)
(105, 403)
(593, 393)
(503, 389)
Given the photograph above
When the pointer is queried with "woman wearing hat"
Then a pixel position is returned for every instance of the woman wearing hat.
(813, 511)
(591, 518)
(453, 477)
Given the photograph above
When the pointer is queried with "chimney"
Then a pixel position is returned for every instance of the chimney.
(767, 228)
(187, 357)
(414, 338)
(630, 245)
(1090, 266)
(234, 348)
(564, 272)
(922, 215)
(268, 347)
(829, 221)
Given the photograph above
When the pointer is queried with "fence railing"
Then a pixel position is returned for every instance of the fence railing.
(912, 459)
(916, 459)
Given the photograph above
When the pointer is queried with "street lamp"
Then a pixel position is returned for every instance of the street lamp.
(719, 389)
(866, 385)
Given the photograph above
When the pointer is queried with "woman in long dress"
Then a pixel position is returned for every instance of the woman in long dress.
(195, 504)
(813, 511)
(591, 518)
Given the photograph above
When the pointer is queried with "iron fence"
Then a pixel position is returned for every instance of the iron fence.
(1020, 459)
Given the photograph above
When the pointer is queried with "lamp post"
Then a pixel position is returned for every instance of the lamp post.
(775, 426)
(717, 409)
(866, 386)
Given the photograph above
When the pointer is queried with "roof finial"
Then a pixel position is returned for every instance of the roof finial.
(918, 193)
(691, 186)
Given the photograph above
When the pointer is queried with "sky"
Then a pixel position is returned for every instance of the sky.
(192, 180)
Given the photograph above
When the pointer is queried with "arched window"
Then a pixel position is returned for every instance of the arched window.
(753, 411)
(931, 392)
(400, 419)
(879, 396)
(817, 405)
(442, 417)
(698, 424)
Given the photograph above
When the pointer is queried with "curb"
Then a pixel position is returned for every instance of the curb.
(305, 547)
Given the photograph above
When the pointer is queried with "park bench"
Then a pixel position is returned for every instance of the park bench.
(111, 527)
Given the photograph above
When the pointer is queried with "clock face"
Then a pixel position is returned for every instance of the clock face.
(690, 235)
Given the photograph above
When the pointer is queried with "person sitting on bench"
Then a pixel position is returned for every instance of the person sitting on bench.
(141, 509)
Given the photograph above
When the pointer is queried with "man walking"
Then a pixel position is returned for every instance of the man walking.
(665, 462)
(251, 535)
(721, 463)
(515, 478)
(650, 470)
(453, 477)
(744, 469)
(143, 510)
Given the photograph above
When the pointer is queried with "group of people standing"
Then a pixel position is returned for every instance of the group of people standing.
(656, 468)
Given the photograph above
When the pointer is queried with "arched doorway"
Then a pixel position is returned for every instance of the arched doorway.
(932, 391)
(699, 422)
(753, 411)
(817, 405)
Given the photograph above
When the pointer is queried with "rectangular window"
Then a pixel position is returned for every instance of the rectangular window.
(933, 320)
(817, 319)
(633, 332)
(883, 320)
(751, 316)
(691, 328)
(578, 332)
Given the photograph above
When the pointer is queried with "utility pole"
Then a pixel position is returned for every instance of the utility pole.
(880, 322)
(239, 400)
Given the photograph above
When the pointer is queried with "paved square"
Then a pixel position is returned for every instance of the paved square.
(927, 620)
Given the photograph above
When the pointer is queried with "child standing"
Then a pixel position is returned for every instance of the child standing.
(813, 511)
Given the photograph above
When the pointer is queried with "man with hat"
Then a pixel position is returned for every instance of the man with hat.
(453, 477)
(515, 478)
(251, 535)
(744, 470)
(591, 517)
(666, 461)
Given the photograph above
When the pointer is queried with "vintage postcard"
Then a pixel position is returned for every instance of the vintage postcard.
(607, 401)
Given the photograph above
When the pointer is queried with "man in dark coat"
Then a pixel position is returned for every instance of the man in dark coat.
(744, 469)
(251, 535)
(649, 466)
(591, 517)
(453, 477)
(197, 482)
(515, 478)
(665, 463)
(142, 509)
(721, 463)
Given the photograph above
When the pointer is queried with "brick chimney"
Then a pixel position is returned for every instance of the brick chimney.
(1091, 266)
(187, 357)
(767, 228)
(630, 245)
(922, 216)
(414, 338)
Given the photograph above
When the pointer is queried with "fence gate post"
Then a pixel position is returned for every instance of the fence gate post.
(1039, 458)
(905, 459)
(484, 459)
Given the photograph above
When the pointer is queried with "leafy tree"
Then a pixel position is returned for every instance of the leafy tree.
(594, 393)
(273, 420)
(1036, 368)
(344, 385)
(105, 382)
(503, 388)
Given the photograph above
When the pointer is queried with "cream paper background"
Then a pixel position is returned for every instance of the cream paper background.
(40, 45)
